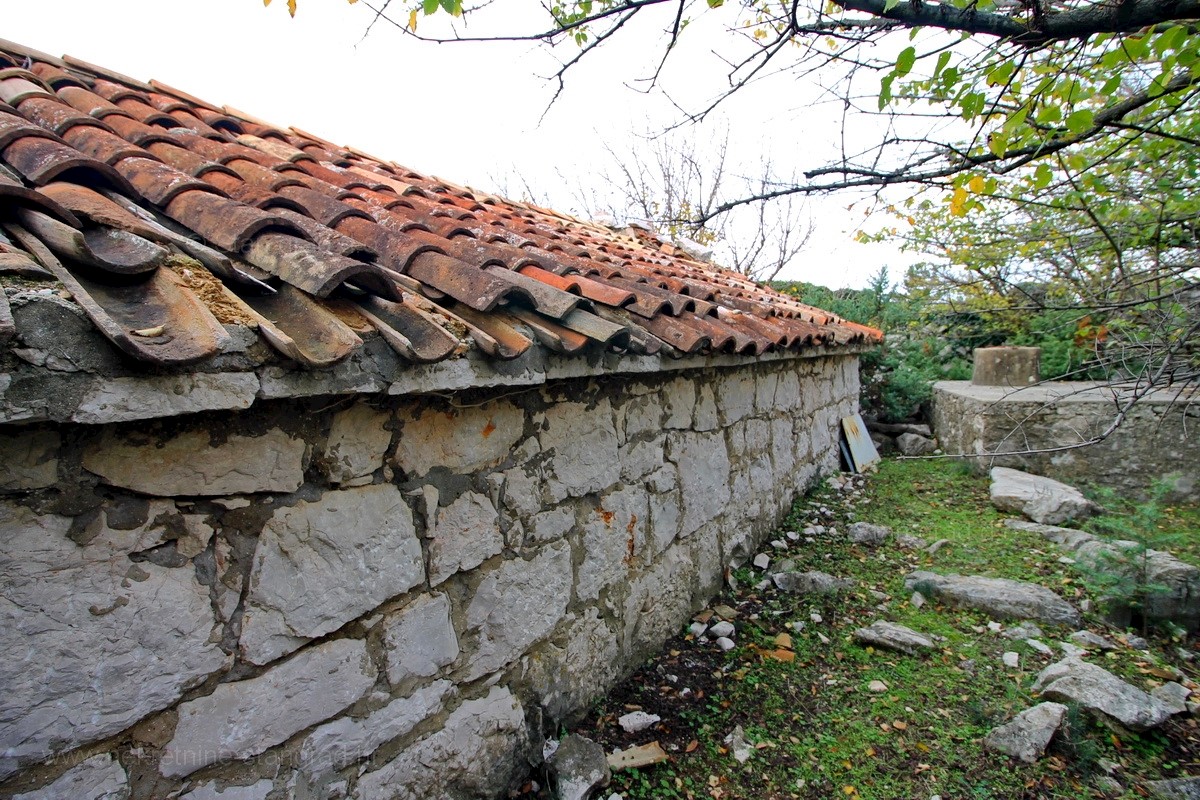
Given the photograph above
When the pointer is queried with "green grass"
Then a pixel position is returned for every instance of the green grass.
(820, 733)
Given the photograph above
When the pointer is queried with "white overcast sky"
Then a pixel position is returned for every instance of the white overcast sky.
(470, 113)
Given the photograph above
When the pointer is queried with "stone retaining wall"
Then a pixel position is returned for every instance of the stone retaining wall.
(372, 596)
(1160, 436)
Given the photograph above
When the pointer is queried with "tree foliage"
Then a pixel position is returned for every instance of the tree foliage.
(1024, 79)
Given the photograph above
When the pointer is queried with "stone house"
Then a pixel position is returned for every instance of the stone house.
(320, 477)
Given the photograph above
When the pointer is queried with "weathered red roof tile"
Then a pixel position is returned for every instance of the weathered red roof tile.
(349, 244)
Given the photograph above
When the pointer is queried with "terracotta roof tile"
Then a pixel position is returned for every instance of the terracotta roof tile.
(326, 244)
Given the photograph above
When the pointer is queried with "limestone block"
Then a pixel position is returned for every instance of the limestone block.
(783, 445)
(892, 636)
(208, 791)
(912, 444)
(706, 561)
(523, 492)
(765, 386)
(679, 398)
(703, 476)
(787, 392)
(151, 396)
(340, 743)
(613, 536)
(92, 641)
(584, 442)
(822, 434)
(357, 442)
(550, 525)
(706, 410)
(1186, 788)
(28, 459)
(665, 515)
(1098, 691)
(1028, 734)
(1007, 366)
(1041, 499)
(466, 534)
(187, 464)
(420, 639)
(663, 480)
(461, 440)
(659, 600)
(577, 667)
(320, 564)
(245, 718)
(762, 476)
(640, 458)
(482, 747)
(1000, 597)
(98, 778)
(515, 605)
(195, 535)
(736, 439)
(735, 395)
(640, 416)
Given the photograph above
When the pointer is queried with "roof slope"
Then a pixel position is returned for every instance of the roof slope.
(166, 217)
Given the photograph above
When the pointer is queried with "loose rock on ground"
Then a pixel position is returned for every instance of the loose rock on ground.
(1029, 733)
(996, 596)
(1041, 499)
(1098, 691)
(891, 636)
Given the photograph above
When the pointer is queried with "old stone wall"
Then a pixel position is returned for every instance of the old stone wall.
(372, 596)
(1159, 438)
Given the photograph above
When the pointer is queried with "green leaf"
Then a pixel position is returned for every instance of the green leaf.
(972, 105)
(429, 6)
(1042, 176)
(1080, 121)
(885, 91)
(905, 61)
(1111, 85)
(942, 61)
(998, 144)
(715, 3)
(888, 5)
(1002, 73)
(1048, 115)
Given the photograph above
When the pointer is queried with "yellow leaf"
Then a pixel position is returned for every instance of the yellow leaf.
(850, 791)
(958, 202)
(292, 7)
(351, 2)
(266, 3)
(977, 184)
(412, 19)
(759, 33)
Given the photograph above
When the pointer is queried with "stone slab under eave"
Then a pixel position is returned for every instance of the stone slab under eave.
(32, 394)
